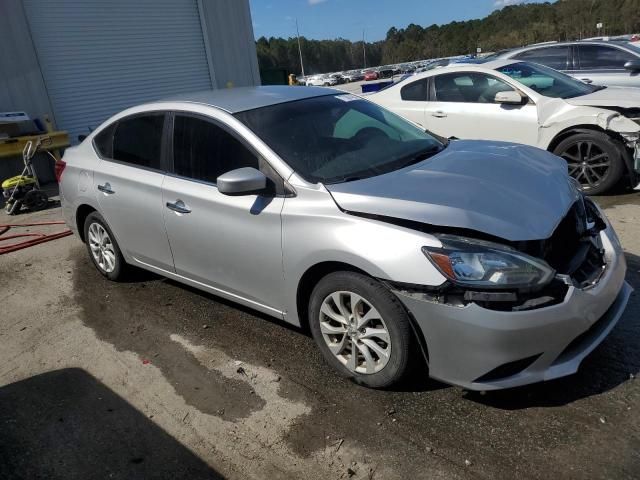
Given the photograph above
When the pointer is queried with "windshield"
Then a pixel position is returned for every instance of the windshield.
(339, 138)
(546, 81)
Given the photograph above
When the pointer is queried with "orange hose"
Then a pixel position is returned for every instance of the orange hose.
(34, 238)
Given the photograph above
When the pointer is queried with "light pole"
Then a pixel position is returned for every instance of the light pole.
(364, 50)
(300, 49)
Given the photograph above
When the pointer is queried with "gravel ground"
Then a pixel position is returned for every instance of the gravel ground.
(152, 379)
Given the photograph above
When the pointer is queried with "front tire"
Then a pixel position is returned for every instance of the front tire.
(352, 313)
(595, 159)
(103, 248)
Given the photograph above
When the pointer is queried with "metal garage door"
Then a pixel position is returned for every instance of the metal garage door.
(99, 57)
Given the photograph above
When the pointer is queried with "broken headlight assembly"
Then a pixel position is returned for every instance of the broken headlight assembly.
(486, 265)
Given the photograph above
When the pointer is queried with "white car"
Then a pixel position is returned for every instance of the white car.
(595, 129)
(321, 81)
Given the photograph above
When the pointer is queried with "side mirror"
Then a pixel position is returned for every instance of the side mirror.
(632, 65)
(242, 181)
(511, 97)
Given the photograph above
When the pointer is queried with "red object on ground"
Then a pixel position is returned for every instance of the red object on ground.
(146, 362)
(33, 238)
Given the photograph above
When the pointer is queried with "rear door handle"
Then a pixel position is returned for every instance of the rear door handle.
(178, 206)
(106, 188)
(587, 80)
(439, 114)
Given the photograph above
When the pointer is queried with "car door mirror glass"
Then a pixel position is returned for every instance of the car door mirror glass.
(242, 181)
(632, 65)
(510, 98)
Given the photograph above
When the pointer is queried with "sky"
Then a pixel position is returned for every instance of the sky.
(329, 19)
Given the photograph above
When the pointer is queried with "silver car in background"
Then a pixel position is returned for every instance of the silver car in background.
(329, 212)
(607, 63)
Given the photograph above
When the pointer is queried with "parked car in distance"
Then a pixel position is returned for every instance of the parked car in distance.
(353, 76)
(608, 63)
(324, 210)
(595, 129)
(321, 81)
(338, 77)
(370, 75)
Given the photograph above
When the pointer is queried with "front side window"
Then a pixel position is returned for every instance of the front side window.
(468, 87)
(546, 81)
(338, 138)
(415, 91)
(203, 151)
(138, 140)
(598, 57)
(554, 57)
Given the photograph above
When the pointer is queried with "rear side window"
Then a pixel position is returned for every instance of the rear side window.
(138, 140)
(103, 142)
(554, 57)
(415, 91)
(204, 151)
(597, 57)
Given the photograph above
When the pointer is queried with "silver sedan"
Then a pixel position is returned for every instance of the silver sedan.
(331, 213)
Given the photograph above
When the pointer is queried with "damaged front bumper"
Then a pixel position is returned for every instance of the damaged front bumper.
(482, 349)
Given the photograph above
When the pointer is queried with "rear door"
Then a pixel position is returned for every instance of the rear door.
(462, 105)
(128, 186)
(229, 243)
(604, 65)
(412, 103)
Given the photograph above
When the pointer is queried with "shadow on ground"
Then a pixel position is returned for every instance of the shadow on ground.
(65, 424)
(615, 361)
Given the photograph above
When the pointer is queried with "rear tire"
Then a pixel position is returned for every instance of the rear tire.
(595, 159)
(348, 308)
(103, 248)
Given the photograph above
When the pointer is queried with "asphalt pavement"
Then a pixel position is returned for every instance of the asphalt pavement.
(153, 379)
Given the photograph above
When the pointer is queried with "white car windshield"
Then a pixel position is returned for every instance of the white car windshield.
(546, 81)
(339, 138)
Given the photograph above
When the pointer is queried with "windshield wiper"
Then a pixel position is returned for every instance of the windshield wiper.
(422, 155)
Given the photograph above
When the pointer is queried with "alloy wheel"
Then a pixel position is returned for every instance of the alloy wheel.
(355, 332)
(588, 163)
(102, 247)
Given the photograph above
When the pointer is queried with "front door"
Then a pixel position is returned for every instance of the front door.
(462, 105)
(231, 244)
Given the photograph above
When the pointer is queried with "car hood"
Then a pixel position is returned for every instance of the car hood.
(609, 97)
(506, 190)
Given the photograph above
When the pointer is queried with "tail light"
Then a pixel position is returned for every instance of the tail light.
(59, 168)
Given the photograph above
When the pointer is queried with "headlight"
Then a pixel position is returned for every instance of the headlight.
(480, 264)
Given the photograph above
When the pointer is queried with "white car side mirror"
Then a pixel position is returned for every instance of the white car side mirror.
(511, 97)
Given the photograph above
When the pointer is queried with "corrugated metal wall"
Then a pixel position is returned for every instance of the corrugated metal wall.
(21, 85)
(99, 57)
(233, 48)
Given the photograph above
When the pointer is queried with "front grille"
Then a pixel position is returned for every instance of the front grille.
(575, 248)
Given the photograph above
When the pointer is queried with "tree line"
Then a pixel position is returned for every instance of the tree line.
(511, 26)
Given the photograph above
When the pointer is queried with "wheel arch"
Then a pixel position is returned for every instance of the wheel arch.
(316, 272)
(82, 212)
(577, 129)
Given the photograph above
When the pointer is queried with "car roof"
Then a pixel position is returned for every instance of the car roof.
(535, 46)
(240, 99)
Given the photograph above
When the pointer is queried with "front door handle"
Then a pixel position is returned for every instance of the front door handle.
(587, 80)
(439, 114)
(106, 188)
(178, 206)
